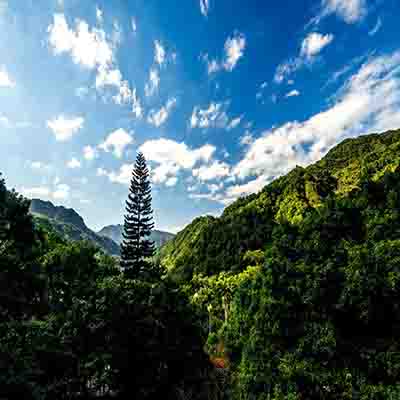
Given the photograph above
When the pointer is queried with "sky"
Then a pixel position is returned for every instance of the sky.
(221, 96)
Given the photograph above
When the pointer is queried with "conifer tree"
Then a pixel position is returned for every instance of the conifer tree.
(136, 247)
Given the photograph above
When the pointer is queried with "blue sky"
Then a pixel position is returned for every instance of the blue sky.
(221, 96)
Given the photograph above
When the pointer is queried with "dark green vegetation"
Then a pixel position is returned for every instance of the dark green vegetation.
(298, 286)
(137, 250)
(73, 327)
(69, 224)
(114, 232)
(294, 292)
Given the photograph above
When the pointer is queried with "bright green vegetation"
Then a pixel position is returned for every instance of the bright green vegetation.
(298, 286)
(72, 326)
(293, 291)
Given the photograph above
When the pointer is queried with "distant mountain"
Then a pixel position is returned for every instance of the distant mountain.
(114, 232)
(69, 224)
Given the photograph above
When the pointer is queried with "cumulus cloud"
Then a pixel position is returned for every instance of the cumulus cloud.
(246, 139)
(89, 153)
(234, 50)
(123, 176)
(158, 118)
(90, 48)
(314, 43)
(87, 47)
(154, 82)
(5, 79)
(212, 117)
(116, 142)
(368, 101)
(204, 7)
(171, 157)
(350, 11)
(60, 191)
(64, 128)
(73, 163)
(213, 171)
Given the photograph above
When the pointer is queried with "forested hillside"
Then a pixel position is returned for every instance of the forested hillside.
(69, 224)
(211, 245)
(73, 326)
(298, 286)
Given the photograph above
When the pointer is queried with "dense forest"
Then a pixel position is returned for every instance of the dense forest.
(293, 293)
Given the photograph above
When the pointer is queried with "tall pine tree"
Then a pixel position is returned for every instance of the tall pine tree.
(136, 247)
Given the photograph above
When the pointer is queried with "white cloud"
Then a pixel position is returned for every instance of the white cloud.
(246, 139)
(89, 153)
(153, 84)
(234, 123)
(212, 117)
(101, 172)
(123, 176)
(369, 101)
(74, 163)
(5, 79)
(81, 92)
(376, 28)
(213, 171)
(171, 181)
(99, 15)
(62, 192)
(204, 7)
(212, 65)
(159, 53)
(314, 43)
(4, 121)
(234, 50)
(116, 142)
(172, 157)
(88, 47)
(350, 11)
(158, 118)
(34, 192)
(134, 24)
(311, 46)
(64, 128)
(293, 93)
(39, 165)
(137, 109)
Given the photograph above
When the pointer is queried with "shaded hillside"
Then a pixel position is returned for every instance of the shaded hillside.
(69, 224)
(219, 244)
(114, 232)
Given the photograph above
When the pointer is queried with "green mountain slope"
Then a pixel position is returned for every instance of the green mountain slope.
(69, 224)
(114, 232)
(219, 244)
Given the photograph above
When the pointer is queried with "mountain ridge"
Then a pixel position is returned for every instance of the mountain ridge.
(114, 232)
(219, 244)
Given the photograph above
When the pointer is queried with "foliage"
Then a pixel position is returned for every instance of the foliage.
(73, 326)
(321, 319)
(136, 247)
